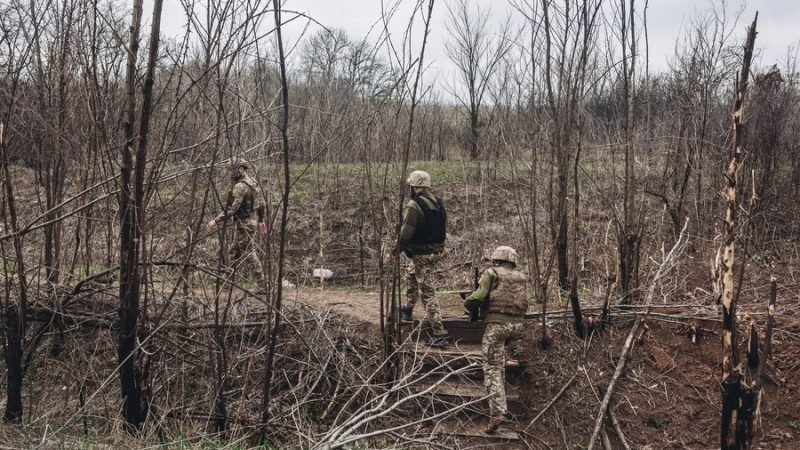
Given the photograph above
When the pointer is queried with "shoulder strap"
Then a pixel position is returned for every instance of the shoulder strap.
(251, 183)
(426, 204)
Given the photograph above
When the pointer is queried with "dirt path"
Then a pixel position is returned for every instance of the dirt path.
(362, 306)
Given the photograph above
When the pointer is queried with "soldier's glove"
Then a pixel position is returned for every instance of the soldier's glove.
(463, 295)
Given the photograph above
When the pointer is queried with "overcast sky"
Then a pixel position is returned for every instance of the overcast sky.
(778, 24)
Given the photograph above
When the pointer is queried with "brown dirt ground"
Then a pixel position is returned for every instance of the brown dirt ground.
(363, 306)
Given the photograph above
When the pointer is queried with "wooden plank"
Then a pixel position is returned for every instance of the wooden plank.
(462, 331)
(460, 388)
(458, 355)
(451, 351)
(475, 430)
(467, 389)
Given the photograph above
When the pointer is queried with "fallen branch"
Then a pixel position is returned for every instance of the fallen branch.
(552, 401)
(618, 429)
(379, 407)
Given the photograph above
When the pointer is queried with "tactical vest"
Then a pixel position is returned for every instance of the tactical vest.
(246, 207)
(509, 295)
(433, 229)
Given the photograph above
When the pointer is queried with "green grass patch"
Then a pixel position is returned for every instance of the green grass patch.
(11, 268)
(82, 272)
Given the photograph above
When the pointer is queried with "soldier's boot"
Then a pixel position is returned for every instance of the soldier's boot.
(405, 313)
(494, 424)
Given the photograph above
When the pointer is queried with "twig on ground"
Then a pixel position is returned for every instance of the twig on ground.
(552, 401)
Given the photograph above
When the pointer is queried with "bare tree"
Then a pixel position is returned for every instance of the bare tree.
(630, 229)
(476, 55)
(278, 296)
(14, 304)
(132, 368)
(15, 310)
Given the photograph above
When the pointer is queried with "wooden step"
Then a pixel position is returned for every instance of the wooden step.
(452, 351)
(474, 429)
(455, 387)
(445, 360)
(457, 355)
(461, 331)
(461, 390)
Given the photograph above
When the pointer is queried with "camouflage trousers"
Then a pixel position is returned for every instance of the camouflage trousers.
(420, 277)
(494, 363)
(244, 247)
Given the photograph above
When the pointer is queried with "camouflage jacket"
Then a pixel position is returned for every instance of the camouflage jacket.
(244, 199)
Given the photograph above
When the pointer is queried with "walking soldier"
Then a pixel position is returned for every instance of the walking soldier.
(246, 207)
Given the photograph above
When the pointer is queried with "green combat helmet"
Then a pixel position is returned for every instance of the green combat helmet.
(505, 253)
(419, 178)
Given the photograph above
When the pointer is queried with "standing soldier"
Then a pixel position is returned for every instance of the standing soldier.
(501, 294)
(422, 237)
(243, 205)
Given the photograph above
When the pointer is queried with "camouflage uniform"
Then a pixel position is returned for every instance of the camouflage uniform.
(425, 256)
(494, 363)
(243, 200)
(419, 279)
(504, 288)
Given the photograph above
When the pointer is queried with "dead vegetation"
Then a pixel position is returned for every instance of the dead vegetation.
(124, 324)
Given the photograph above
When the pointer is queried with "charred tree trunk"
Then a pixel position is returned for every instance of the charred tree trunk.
(128, 276)
(737, 400)
(15, 310)
(135, 405)
(573, 292)
(562, 235)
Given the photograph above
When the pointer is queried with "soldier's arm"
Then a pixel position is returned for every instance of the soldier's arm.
(487, 282)
(412, 215)
(237, 195)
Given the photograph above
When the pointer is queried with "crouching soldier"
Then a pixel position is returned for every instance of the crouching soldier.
(501, 296)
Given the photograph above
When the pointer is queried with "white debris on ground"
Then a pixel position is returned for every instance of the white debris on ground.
(325, 274)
